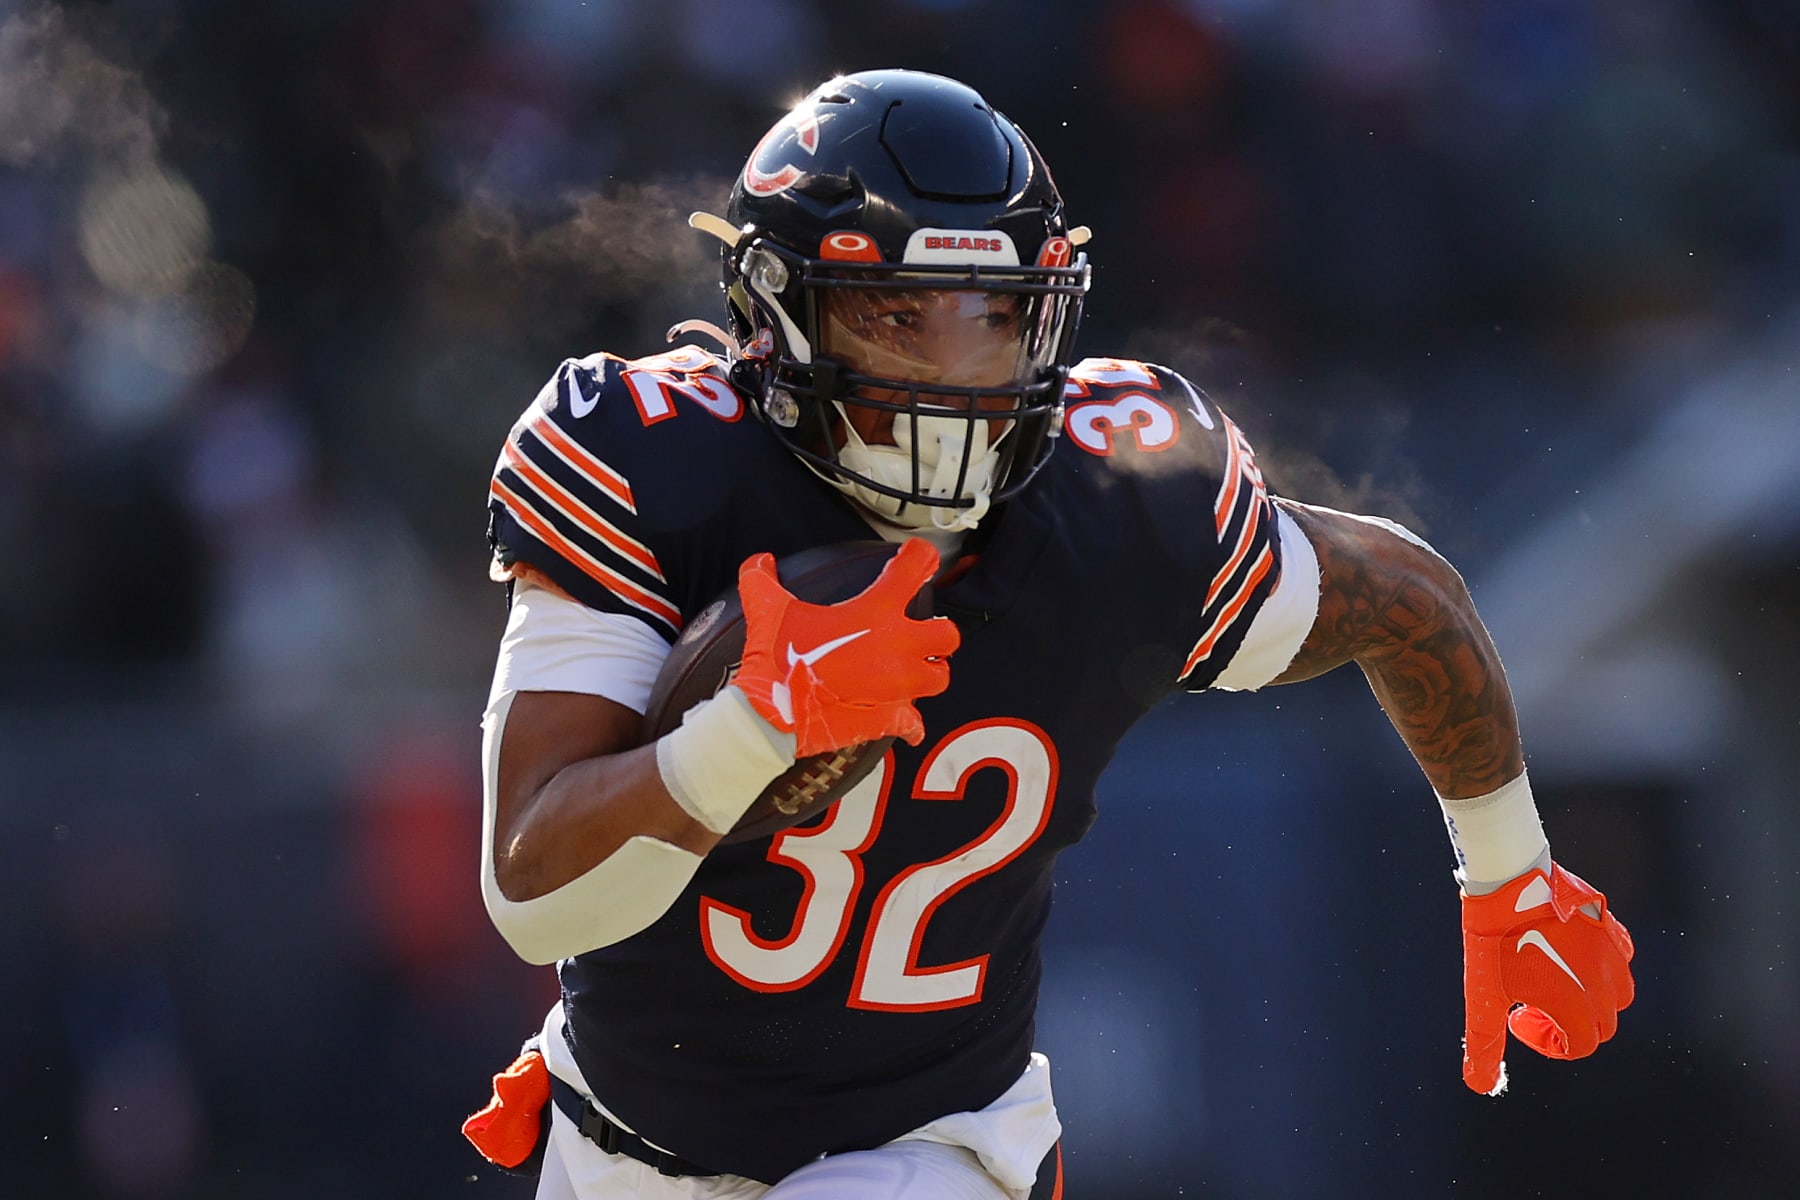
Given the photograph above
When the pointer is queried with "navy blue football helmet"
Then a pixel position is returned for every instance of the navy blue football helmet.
(899, 187)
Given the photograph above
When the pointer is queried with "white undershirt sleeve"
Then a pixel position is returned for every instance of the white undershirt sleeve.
(1286, 617)
(555, 644)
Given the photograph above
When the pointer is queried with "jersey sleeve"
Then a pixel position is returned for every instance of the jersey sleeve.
(1247, 551)
(1280, 626)
(1188, 536)
(561, 499)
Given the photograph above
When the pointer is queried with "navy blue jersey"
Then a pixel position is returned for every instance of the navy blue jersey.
(858, 976)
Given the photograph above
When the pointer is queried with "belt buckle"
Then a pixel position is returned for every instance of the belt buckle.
(602, 1132)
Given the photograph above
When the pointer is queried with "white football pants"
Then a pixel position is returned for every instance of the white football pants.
(914, 1170)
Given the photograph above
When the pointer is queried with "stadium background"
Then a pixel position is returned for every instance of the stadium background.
(275, 277)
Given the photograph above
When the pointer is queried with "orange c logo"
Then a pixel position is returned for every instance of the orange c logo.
(769, 183)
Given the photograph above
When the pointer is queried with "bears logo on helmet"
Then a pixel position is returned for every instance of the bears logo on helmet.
(805, 132)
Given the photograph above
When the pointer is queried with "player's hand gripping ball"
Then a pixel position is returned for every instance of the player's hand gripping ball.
(833, 644)
(1545, 958)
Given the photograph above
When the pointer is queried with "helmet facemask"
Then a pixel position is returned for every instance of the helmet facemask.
(925, 392)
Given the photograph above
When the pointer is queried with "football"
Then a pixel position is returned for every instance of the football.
(706, 656)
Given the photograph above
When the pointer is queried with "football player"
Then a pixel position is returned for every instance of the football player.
(845, 1009)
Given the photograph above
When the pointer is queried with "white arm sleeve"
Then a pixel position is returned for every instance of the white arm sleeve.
(1286, 617)
(555, 644)
(621, 895)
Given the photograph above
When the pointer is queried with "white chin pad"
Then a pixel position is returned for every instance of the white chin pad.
(941, 444)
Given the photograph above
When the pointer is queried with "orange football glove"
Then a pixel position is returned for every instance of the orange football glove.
(1543, 957)
(838, 674)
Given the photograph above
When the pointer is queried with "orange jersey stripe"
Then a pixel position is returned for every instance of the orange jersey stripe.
(597, 472)
(565, 502)
(1234, 475)
(1241, 463)
(605, 576)
(1223, 621)
(1252, 525)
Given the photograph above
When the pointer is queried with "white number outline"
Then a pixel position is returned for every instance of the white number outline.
(888, 971)
(888, 975)
(830, 856)
(655, 382)
(1093, 424)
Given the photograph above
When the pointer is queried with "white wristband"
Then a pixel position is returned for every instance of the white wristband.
(721, 758)
(1497, 837)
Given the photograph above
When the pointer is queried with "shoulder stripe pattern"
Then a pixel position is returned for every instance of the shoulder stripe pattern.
(556, 489)
(540, 527)
(569, 505)
(582, 462)
(1244, 520)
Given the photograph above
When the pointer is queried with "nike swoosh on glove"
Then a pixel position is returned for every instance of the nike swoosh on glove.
(838, 674)
(1543, 957)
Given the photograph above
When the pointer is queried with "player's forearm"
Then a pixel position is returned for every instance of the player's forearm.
(585, 813)
(1403, 614)
(1447, 697)
(583, 845)
(569, 787)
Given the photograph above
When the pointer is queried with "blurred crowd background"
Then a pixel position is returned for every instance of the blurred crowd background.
(276, 277)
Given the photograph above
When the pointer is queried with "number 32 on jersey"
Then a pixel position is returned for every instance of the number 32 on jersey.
(889, 976)
(1127, 410)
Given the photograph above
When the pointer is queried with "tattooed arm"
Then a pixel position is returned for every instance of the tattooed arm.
(1402, 614)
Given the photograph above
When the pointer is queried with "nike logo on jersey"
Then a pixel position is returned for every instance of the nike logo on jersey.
(579, 405)
(795, 658)
(1199, 409)
(1532, 937)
